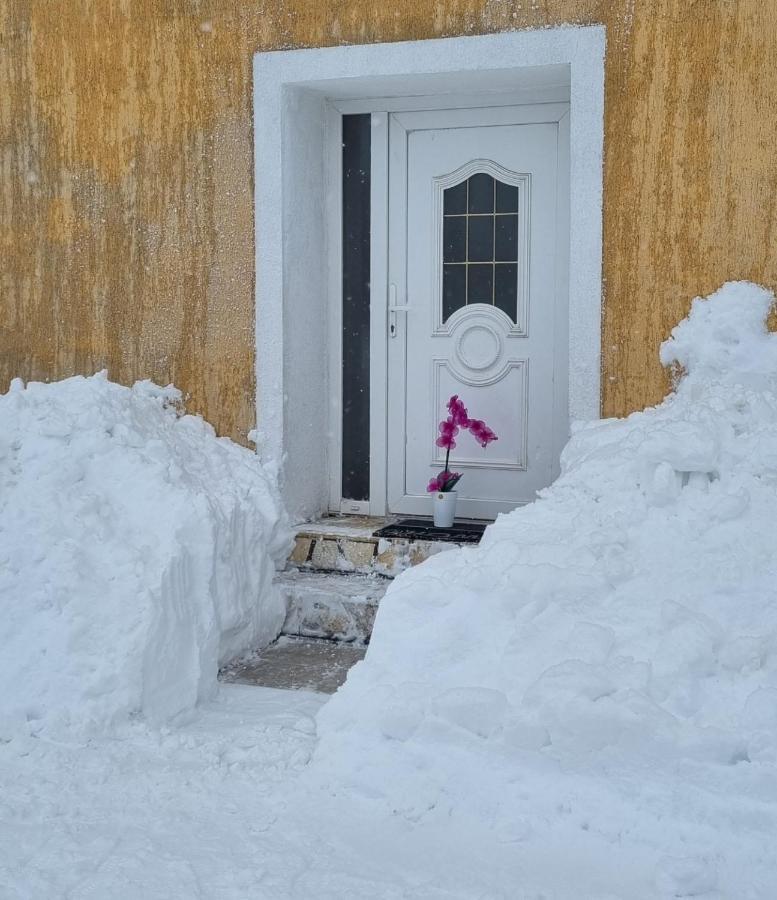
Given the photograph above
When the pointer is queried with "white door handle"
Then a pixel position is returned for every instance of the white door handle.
(394, 308)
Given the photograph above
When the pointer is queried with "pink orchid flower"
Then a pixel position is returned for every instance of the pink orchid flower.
(481, 432)
(448, 431)
(449, 428)
(458, 412)
(445, 481)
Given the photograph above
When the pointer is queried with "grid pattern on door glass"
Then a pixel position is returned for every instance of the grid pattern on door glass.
(480, 245)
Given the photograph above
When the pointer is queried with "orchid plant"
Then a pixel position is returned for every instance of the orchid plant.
(458, 418)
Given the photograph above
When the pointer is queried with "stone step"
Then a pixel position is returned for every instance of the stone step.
(332, 605)
(348, 544)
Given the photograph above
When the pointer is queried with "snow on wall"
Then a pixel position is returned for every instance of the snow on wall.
(602, 671)
(137, 551)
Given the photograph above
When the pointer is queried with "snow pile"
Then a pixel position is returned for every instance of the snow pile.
(601, 672)
(137, 551)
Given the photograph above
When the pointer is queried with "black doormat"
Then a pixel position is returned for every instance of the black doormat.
(424, 530)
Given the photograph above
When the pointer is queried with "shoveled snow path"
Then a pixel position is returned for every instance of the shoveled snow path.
(212, 809)
(225, 807)
(152, 814)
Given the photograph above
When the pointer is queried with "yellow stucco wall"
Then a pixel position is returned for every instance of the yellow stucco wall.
(126, 225)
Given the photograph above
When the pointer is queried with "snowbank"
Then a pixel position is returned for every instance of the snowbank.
(597, 682)
(137, 551)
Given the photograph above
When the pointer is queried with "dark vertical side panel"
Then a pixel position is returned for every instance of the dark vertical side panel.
(356, 307)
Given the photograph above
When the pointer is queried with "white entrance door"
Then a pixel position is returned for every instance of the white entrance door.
(477, 304)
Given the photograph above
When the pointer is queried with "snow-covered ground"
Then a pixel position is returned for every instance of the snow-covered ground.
(582, 708)
(219, 807)
(146, 813)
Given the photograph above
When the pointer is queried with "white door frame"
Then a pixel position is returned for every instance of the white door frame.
(550, 103)
(402, 123)
(293, 92)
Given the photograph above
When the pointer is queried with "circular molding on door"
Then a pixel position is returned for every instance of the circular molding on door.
(479, 347)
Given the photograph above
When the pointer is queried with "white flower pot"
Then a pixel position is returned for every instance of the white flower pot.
(444, 508)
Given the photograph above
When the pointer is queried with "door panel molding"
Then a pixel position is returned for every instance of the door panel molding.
(521, 366)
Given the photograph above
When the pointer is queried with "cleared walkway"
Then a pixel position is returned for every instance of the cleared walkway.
(295, 664)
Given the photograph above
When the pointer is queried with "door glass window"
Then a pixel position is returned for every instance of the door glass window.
(480, 245)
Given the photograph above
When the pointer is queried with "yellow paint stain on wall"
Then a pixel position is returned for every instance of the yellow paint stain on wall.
(126, 220)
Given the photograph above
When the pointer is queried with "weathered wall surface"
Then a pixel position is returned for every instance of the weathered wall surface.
(126, 226)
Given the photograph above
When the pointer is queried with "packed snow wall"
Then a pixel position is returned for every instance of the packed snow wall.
(601, 671)
(137, 551)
